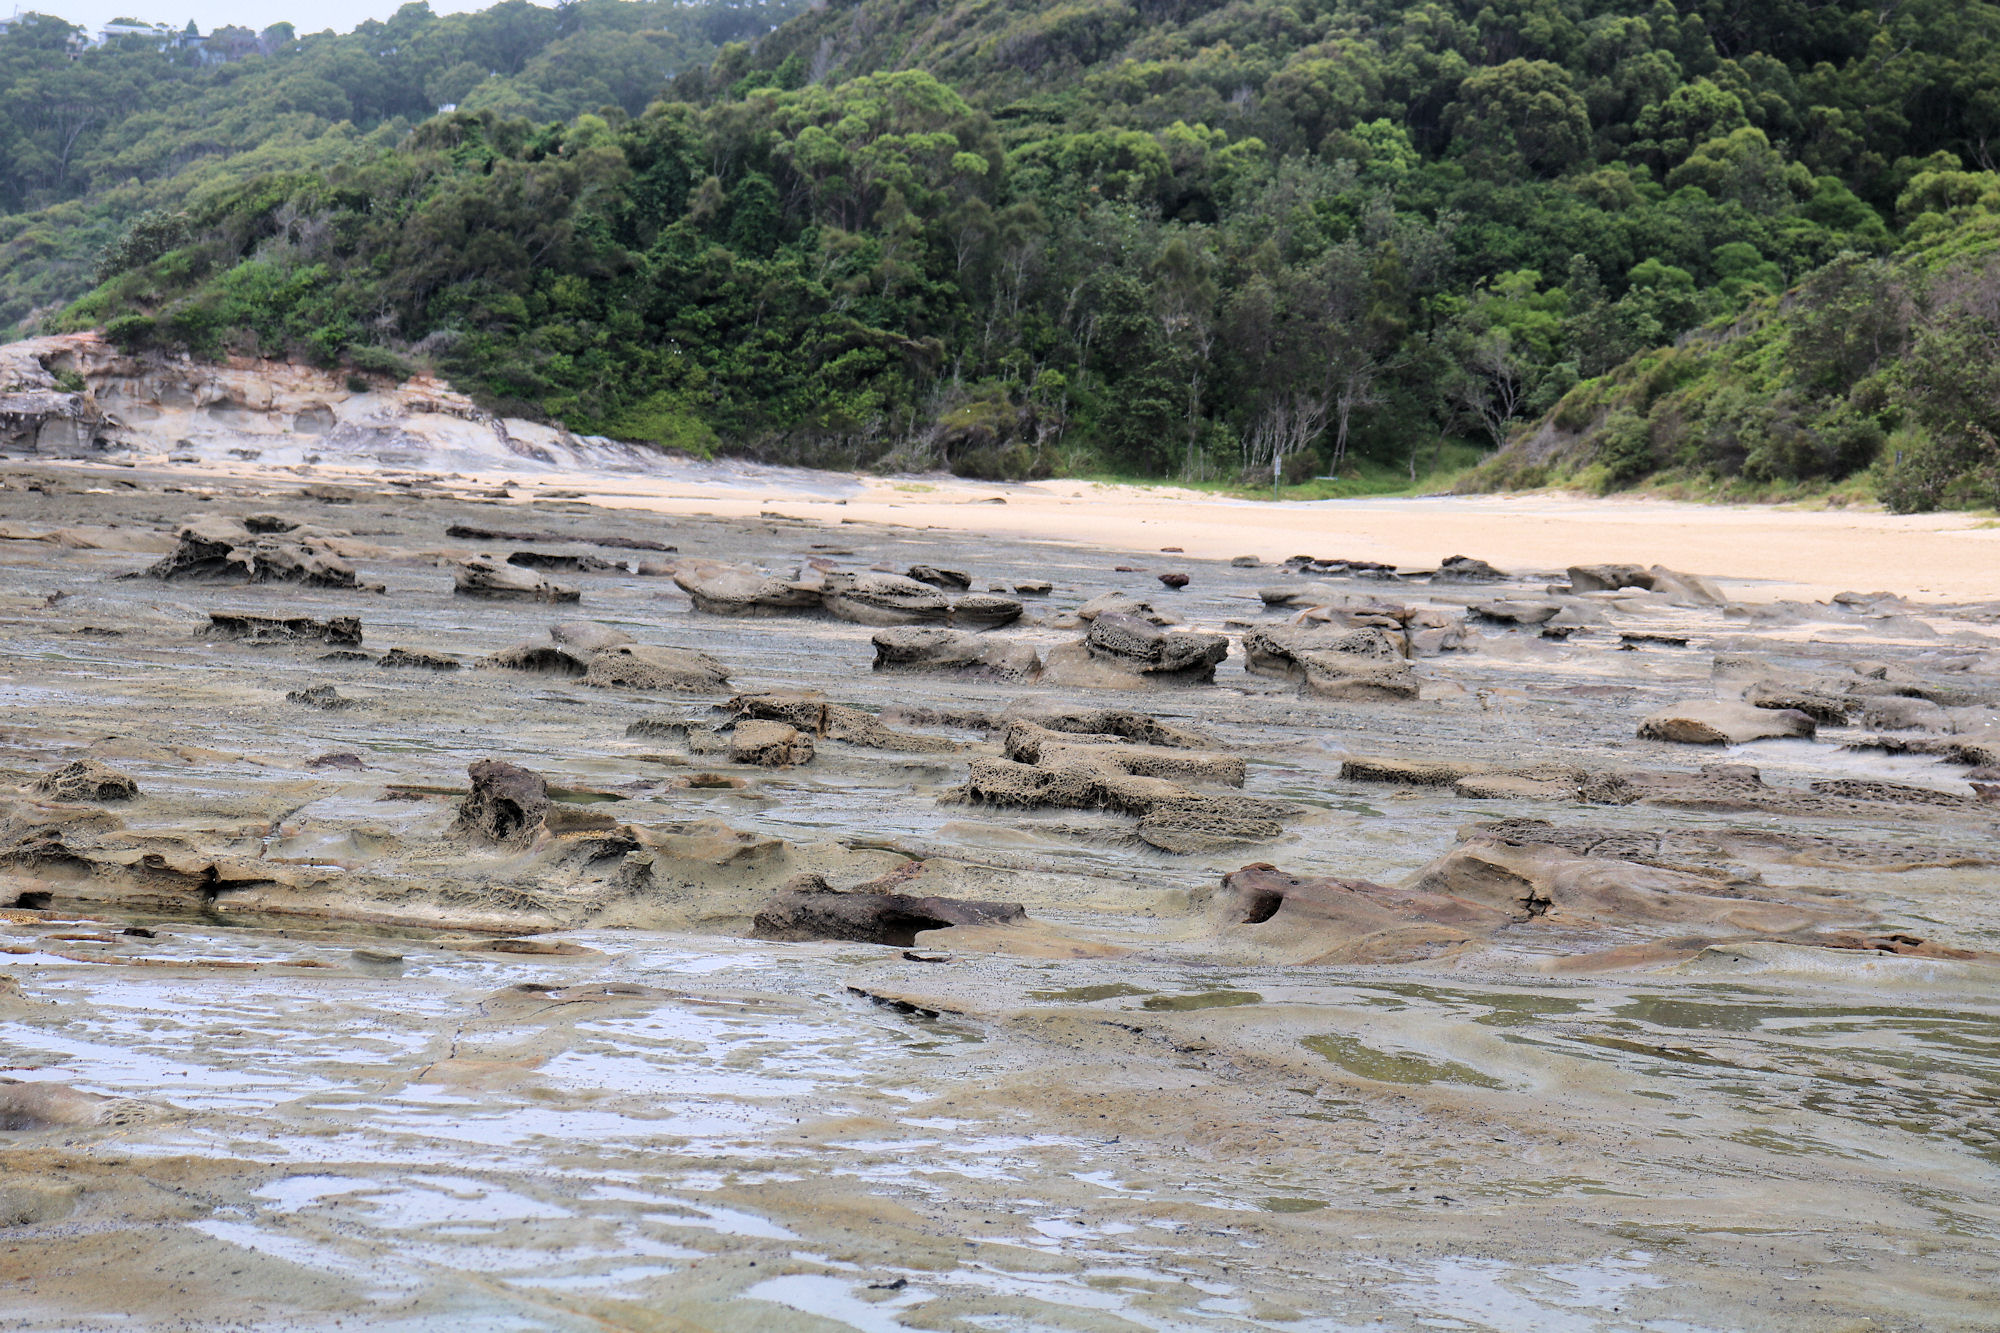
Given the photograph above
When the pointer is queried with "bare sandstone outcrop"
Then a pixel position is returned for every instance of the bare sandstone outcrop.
(219, 549)
(1724, 722)
(482, 576)
(1137, 645)
(954, 652)
(86, 780)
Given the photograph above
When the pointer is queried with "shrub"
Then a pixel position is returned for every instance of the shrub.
(374, 360)
(131, 333)
(1624, 448)
(1926, 472)
(152, 234)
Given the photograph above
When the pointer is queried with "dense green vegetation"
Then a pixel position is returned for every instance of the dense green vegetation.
(1887, 370)
(1176, 238)
(87, 144)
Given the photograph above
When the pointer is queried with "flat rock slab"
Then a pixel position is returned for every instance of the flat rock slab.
(1725, 722)
(958, 652)
(1517, 613)
(482, 577)
(644, 666)
(722, 589)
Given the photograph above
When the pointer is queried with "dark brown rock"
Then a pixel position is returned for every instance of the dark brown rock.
(951, 580)
(574, 564)
(508, 804)
(807, 909)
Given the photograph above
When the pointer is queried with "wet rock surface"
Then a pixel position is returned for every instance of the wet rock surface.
(530, 1003)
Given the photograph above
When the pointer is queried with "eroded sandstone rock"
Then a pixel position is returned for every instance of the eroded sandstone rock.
(1027, 743)
(573, 564)
(1121, 604)
(1332, 663)
(1172, 816)
(873, 598)
(1724, 722)
(1687, 589)
(811, 713)
(769, 744)
(1466, 569)
(951, 580)
(955, 652)
(587, 636)
(1139, 646)
(1900, 714)
(482, 576)
(985, 611)
(542, 658)
(417, 659)
(43, 1105)
(218, 549)
(338, 630)
(1823, 706)
(643, 666)
(86, 780)
(807, 908)
(723, 589)
(1517, 613)
(508, 804)
(1120, 722)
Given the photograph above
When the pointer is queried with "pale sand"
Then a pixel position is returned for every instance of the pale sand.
(1790, 552)
(1765, 552)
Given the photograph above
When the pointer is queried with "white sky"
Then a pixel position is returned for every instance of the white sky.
(208, 15)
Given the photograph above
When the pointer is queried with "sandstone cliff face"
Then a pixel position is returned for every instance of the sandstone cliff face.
(275, 412)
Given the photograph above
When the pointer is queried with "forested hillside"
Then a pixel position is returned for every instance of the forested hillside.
(1166, 238)
(89, 141)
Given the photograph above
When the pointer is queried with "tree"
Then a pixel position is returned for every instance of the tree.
(1521, 116)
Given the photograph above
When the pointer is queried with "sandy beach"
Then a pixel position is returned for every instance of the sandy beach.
(1763, 552)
